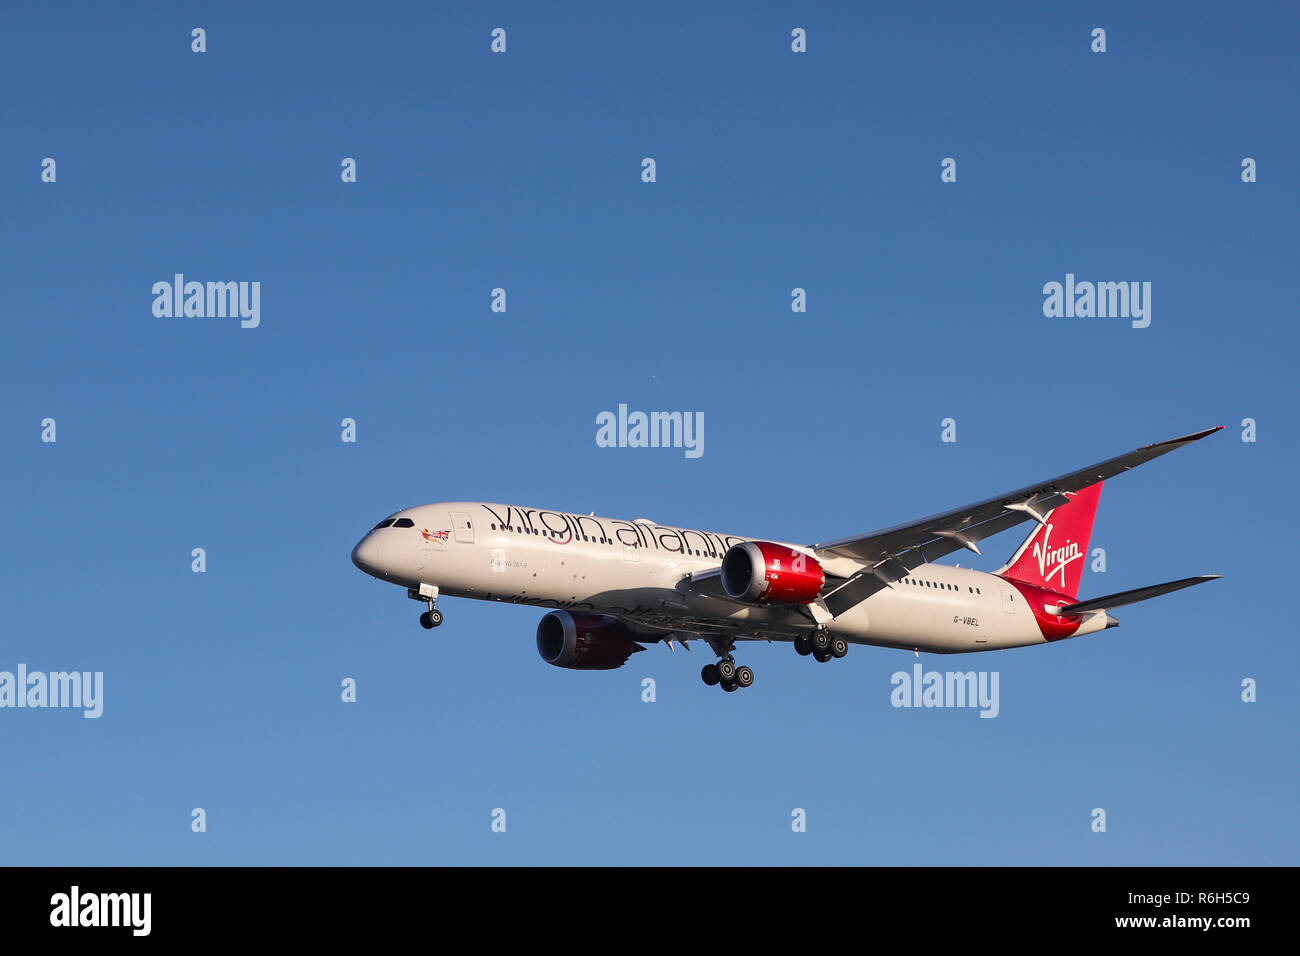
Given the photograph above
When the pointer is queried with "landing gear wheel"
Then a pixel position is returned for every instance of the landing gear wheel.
(821, 656)
(803, 645)
(839, 647)
(744, 676)
(729, 686)
(430, 618)
(726, 671)
(821, 640)
(709, 674)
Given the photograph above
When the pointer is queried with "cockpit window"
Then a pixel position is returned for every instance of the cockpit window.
(403, 523)
(383, 524)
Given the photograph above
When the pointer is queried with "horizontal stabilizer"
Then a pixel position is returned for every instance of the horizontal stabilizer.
(1132, 597)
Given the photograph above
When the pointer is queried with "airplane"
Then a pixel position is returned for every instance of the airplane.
(611, 586)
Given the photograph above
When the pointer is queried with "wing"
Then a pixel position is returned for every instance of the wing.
(891, 554)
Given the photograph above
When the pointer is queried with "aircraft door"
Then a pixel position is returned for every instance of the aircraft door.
(1008, 598)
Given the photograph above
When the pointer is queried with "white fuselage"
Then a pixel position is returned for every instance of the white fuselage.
(637, 571)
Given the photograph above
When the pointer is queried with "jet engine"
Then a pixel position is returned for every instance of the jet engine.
(759, 572)
(585, 642)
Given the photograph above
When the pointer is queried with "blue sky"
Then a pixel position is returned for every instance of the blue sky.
(775, 170)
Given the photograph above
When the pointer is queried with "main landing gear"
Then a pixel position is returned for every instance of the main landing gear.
(821, 645)
(726, 673)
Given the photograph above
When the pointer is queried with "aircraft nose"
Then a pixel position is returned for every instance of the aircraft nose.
(366, 555)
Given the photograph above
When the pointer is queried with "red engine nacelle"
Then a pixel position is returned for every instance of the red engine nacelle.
(763, 573)
(585, 642)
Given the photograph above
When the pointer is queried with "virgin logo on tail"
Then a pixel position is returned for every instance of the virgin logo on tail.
(1052, 561)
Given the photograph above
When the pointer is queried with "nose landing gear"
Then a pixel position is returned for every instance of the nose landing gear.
(427, 593)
